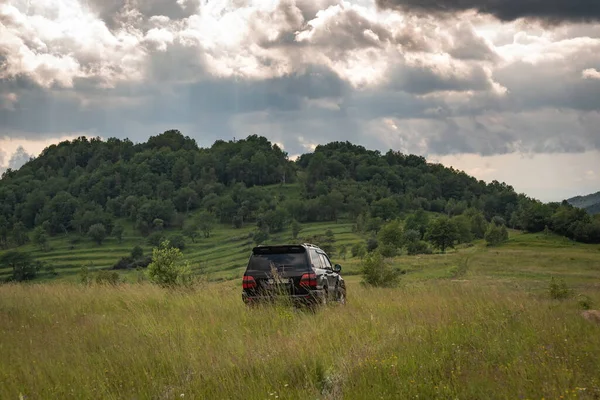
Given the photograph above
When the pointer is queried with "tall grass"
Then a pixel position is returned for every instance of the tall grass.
(444, 339)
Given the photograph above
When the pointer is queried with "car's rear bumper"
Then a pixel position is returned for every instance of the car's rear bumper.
(314, 296)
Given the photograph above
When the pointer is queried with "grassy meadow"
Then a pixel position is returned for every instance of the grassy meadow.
(476, 323)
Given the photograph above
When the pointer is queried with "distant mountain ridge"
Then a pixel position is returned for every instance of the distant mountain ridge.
(590, 203)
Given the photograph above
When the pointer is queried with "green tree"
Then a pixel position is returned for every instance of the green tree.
(186, 199)
(334, 201)
(327, 242)
(143, 227)
(168, 269)
(273, 220)
(137, 252)
(391, 234)
(463, 228)
(40, 238)
(97, 233)
(177, 241)
(411, 236)
(417, 247)
(238, 221)
(358, 250)
(442, 233)
(296, 229)
(206, 223)
(386, 209)
(158, 224)
(496, 234)
(342, 250)
(260, 237)
(23, 266)
(419, 221)
(361, 224)
(117, 232)
(388, 250)
(374, 225)
(4, 230)
(19, 234)
(190, 229)
(356, 206)
(478, 224)
(155, 239)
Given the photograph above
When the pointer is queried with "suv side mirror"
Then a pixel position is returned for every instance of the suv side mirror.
(337, 268)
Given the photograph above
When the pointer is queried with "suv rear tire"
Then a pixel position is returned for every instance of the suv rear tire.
(340, 295)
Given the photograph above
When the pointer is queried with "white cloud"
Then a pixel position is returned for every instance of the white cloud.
(57, 42)
(590, 73)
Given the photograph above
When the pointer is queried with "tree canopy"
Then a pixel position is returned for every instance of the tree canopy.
(78, 185)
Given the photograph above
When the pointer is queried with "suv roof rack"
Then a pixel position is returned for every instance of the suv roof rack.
(310, 245)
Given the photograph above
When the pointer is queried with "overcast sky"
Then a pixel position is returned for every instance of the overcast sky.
(506, 90)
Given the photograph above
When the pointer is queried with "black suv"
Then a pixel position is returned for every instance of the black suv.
(304, 273)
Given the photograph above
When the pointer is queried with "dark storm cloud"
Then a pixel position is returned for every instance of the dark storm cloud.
(506, 10)
(548, 85)
(423, 80)
(130, 109)
(115, 12)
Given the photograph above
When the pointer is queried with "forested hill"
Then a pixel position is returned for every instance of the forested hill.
(590, 203)
(74, 185)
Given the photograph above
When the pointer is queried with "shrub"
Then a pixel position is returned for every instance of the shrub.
(84, 275)
(141, 262)
(411, 235)
(558, 289)
(155, 239)
(260, 237)
(388, 250)
(167, 268)
(123, 263)
(137, 252)
(376, 272)
(496, 234)
(343, 249)
(107, 277)
(372, 244)
(177, 241)
(418, 247)
(358, 250)
(584, 302)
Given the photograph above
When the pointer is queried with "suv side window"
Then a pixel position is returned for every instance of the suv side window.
(316, 259)
(325, 261)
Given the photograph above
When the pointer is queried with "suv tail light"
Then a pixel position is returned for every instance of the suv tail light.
(248, 282)
(309, 280)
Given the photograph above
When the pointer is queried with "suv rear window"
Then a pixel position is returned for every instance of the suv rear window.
(289, 259)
